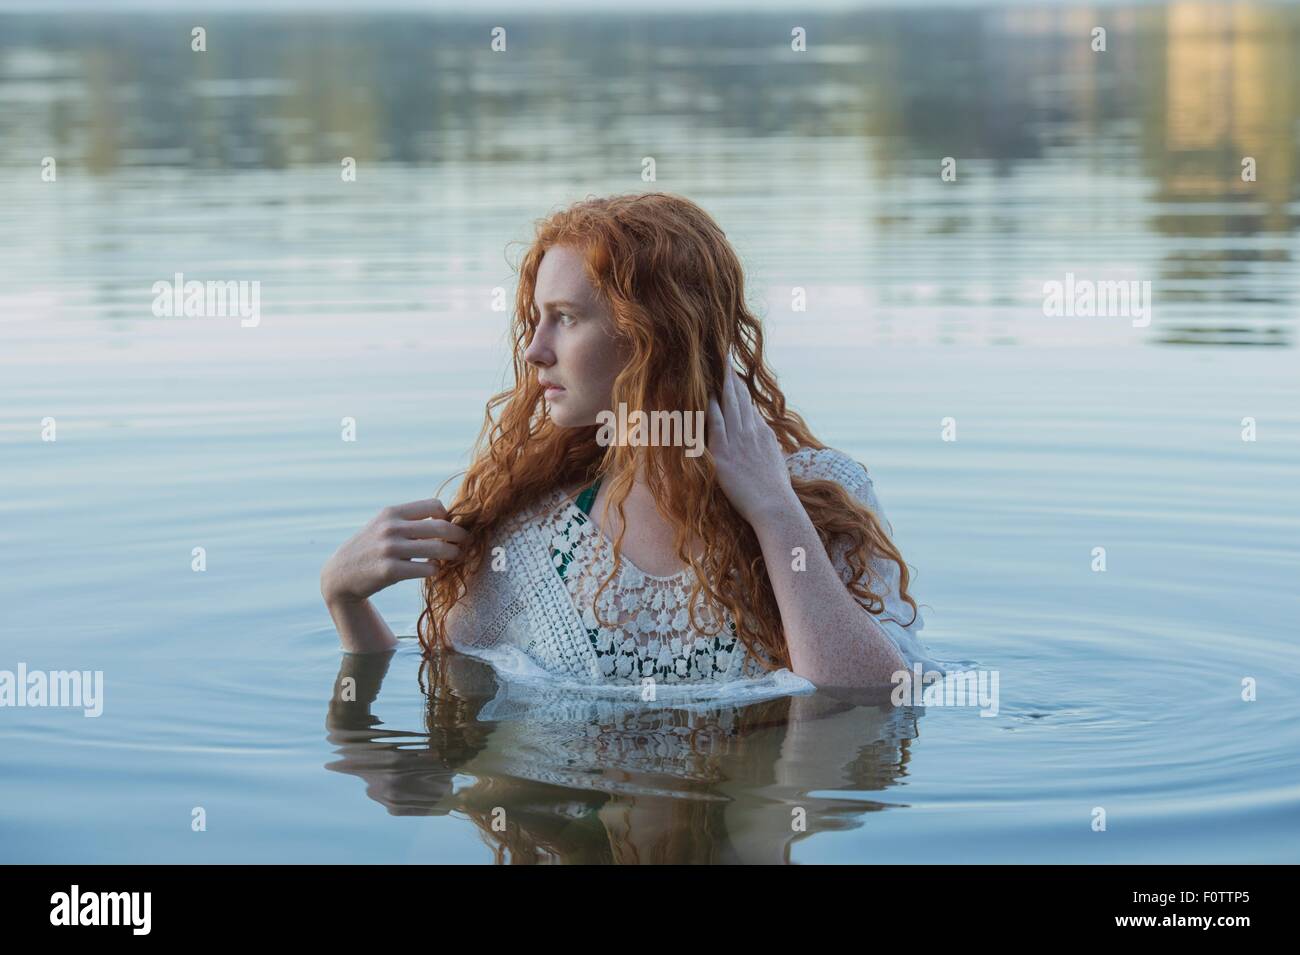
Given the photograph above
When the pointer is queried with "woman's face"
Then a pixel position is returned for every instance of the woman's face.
(574, 346)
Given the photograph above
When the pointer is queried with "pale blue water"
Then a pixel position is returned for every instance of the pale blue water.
(1119, 690)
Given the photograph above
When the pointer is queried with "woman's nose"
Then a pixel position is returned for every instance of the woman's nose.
(539, 351)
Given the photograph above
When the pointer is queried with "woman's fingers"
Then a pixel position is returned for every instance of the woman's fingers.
(744, 402)
(410, 569)
(732, 415)
(421, 530)
(717, 425)
(730, 408)
(415, 510)
(394, 546)
(432, 549)
(742, 421)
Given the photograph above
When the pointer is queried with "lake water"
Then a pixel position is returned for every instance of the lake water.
(1120, 690)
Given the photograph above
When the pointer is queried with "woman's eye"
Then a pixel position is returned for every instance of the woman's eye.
(566, 318)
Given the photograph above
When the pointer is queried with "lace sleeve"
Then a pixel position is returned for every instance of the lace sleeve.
(482, 618)
(898, 619)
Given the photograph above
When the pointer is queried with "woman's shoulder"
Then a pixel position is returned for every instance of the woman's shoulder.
(829, 464)
(806, 462)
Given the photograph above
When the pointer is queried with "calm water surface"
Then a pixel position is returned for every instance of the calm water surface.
(1119, 690)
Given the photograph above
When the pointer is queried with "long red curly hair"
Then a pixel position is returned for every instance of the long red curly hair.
(676, 292)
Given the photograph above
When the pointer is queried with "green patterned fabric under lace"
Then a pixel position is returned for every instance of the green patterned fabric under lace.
(585, 500)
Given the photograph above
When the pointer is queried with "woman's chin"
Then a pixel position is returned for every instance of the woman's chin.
(563, 419)
(566, 415)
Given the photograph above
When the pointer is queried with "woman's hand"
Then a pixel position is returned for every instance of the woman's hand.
(382, 552)
(748, 457)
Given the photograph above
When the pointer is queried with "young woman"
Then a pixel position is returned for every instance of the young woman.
(615, 560)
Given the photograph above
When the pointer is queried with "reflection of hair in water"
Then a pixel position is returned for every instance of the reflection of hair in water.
(550, 823)
(450, 714)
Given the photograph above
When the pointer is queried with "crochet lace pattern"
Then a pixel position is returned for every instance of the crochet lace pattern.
(543, 597)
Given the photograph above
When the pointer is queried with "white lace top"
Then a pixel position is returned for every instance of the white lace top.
(535, 593)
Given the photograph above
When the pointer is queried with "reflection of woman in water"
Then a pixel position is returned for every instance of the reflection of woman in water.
(610, 556)
(550, 792)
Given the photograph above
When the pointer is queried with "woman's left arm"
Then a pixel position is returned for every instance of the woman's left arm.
(832, 639)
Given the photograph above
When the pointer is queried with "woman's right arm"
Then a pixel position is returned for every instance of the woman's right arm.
(361, 627)
(379, 555)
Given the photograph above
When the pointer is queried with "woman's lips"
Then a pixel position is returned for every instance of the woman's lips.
(553, 390)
